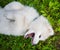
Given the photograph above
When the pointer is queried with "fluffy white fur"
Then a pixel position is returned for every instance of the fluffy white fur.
(41, 27)
(23, 17)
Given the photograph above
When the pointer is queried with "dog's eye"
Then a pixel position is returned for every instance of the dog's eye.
(39, 36)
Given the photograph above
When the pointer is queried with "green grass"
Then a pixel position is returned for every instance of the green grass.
(48, 8)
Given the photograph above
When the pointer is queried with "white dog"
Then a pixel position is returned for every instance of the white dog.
(15, 18)
(40, 29)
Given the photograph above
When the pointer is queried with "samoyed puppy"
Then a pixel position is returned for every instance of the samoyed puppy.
(40, 29)
(15, 18)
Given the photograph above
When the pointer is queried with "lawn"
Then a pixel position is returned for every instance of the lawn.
(48, 8)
